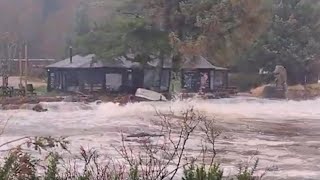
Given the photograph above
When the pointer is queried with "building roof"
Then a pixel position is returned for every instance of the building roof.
(78, 61)
(37, 60)
(198, 62)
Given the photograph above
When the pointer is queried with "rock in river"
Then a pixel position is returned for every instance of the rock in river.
(39, 108)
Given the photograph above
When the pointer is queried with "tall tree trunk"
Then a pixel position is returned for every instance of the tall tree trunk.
(160, 70)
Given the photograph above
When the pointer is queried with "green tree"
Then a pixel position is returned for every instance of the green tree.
(292, 40)
(222, 29)
(82, 24)
(123, 35)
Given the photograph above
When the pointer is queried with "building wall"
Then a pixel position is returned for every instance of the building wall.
(151, 79)
(207, 80)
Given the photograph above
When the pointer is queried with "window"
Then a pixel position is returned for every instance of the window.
(113, 81)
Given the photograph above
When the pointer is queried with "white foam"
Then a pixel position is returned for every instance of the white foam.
(78, 115)
(99, 125)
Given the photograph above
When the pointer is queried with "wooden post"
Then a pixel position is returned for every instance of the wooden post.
(70, 54)
(182, 81)
(161, 64)
(214, 79)
(227, 78)
(49, 81)
(26, 64)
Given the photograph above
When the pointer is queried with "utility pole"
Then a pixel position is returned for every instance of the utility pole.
(4, 72)
(161, 66)
(4, 61)
(26, 64)
(20, 66)
(9, 45)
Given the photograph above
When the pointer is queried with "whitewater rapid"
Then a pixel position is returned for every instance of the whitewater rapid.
(68, 119)
(99, 125)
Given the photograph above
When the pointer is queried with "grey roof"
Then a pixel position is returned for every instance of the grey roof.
(78, 61)
(127, 62)
(198, 62)
(35, 60)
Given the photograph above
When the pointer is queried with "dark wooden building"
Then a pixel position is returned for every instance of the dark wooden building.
(87, 73)
(198, 74)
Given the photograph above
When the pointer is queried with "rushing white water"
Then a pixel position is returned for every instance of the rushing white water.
(99, 125)
(68, 118)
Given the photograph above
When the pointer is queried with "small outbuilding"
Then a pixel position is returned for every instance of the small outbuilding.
(198, 74)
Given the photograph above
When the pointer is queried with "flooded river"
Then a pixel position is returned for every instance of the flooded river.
(285, 135)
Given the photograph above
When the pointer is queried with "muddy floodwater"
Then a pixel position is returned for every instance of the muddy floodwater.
(285, 135)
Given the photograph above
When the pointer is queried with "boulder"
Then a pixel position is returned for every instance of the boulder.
(257, 92)
(268, 91)
(98, 102)
(297, 92)
(273, 92)
(39, 108)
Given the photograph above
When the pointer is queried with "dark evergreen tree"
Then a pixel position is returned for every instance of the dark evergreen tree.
(292, 39)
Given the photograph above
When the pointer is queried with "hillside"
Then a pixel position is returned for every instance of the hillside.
(46, 24)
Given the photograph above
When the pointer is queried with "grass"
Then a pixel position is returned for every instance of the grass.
(41, 90)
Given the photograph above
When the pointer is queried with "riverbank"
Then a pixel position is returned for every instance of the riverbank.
(297, 92)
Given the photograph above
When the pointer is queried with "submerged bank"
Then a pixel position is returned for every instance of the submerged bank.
(297, 92)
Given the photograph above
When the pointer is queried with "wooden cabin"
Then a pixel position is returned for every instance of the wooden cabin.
(122, 75)
(86, 73)
(198, 74)
(79, 73)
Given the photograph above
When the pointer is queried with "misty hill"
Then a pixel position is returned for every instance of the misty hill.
(46, 24)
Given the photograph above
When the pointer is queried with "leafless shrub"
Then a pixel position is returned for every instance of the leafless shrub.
(211, 132)
(163, 158)
(93, 167)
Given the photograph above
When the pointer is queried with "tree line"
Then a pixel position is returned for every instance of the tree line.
(242, 35)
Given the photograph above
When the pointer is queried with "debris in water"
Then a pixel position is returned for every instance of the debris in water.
(144, 135)
(150, 95)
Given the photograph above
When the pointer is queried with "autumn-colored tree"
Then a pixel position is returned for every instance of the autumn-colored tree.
(219, 30)
(292, 40)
